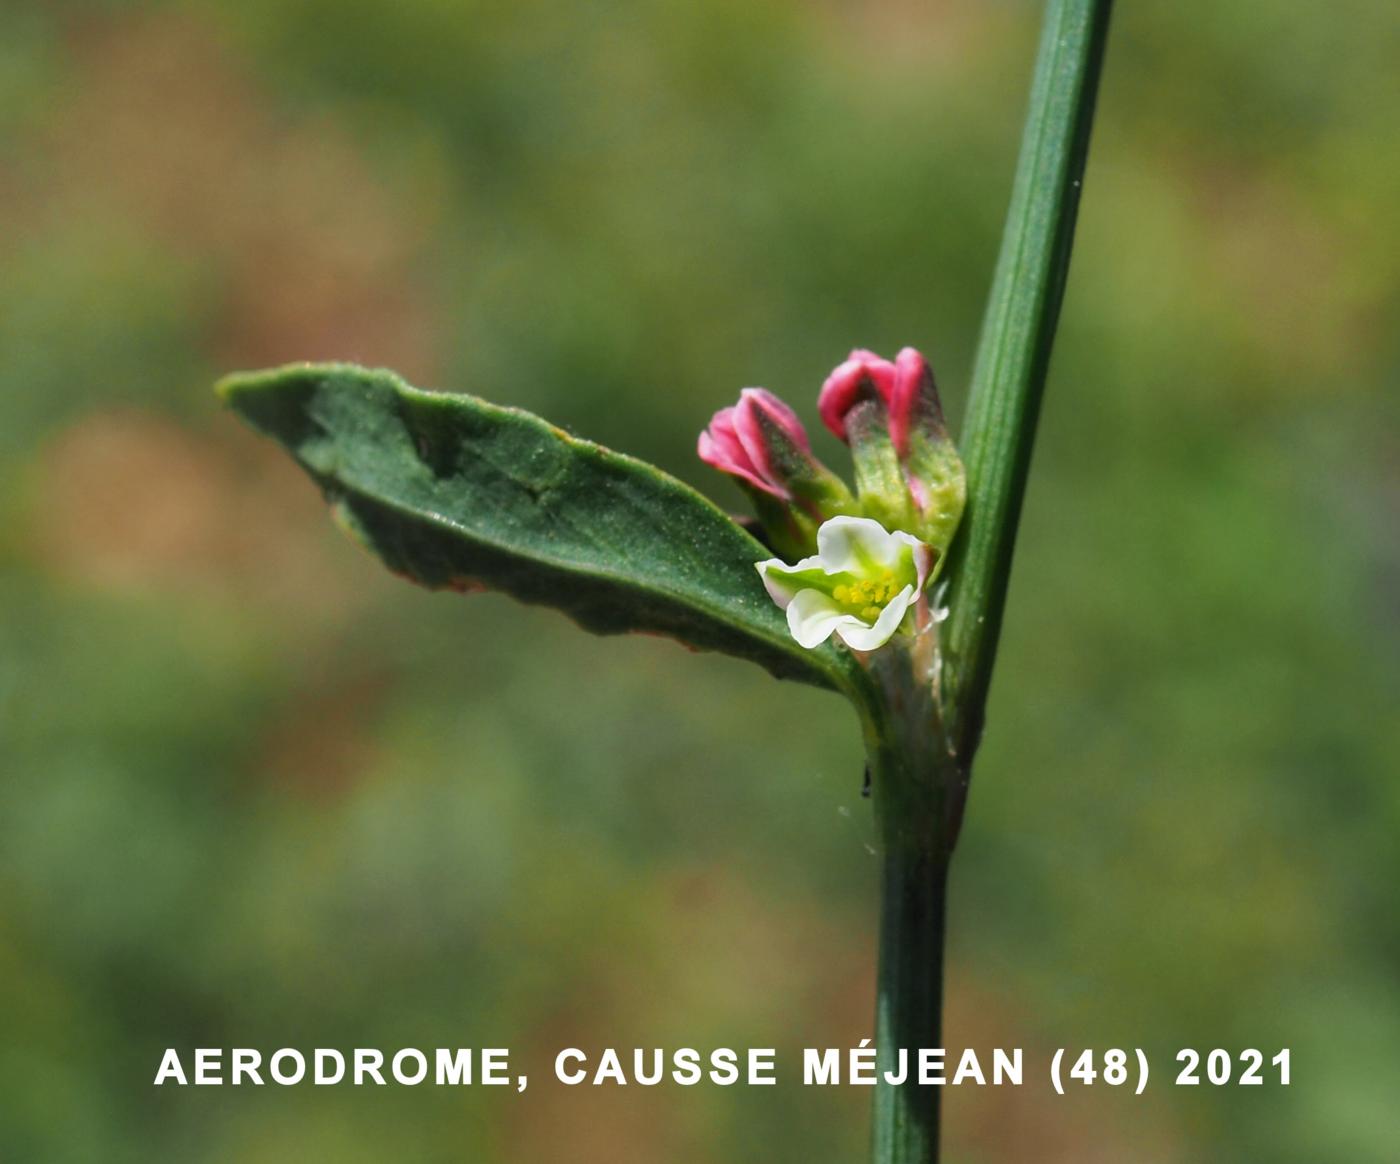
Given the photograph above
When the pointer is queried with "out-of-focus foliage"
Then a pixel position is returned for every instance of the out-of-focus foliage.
(254, 792)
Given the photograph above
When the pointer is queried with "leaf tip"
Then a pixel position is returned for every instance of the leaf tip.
(239, 386)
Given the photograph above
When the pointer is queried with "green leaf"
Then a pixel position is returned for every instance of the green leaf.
(453, 492)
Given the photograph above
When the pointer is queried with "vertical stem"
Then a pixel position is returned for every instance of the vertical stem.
(1014, 351)
(921, 735)
(914, 784)
(909, 1001)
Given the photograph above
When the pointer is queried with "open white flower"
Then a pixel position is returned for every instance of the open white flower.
(860, 583)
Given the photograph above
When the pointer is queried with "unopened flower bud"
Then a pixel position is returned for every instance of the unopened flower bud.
(761, 443)
(908, 473)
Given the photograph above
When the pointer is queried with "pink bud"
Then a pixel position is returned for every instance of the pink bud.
(720, 447)
(842, 386)
(898, 384)
(911, 375)
(736, 441)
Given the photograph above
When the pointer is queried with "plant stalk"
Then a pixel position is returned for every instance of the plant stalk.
(913, 784)
(1013, 353)
(923, 731)
(909, 1001)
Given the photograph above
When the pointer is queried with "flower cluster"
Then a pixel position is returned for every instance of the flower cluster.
(875, 550)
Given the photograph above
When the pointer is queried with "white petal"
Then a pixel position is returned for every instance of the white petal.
(812, 616)
(780, 590)
(848, 543)
(861, 637)
(923, 555)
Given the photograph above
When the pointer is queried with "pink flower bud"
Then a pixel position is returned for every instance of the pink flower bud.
(899, 385)
(740, 441)
(908, 475)
(761, 443)
(843, 386)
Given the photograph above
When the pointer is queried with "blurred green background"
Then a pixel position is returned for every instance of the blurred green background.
(256, 792)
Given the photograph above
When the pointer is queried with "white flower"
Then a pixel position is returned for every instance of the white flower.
(860, 583)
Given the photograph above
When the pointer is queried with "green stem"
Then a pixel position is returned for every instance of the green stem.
(920, 734)
(1014, 351)
(914, 784)
(909, 1004)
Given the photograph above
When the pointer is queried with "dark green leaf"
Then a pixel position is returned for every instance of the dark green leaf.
(453, 492)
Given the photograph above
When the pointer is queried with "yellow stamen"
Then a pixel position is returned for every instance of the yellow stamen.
(867, 597)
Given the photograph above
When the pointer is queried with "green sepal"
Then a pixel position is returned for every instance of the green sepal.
(932, 460)
(814, 487)
(789, 529)
(880, 483)
(939, 469)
